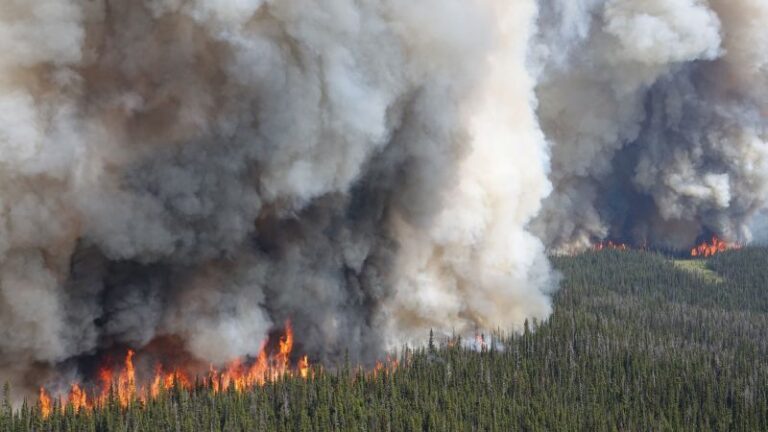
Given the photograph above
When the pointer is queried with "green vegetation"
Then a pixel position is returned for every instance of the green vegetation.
(636, 342)
(700, 267)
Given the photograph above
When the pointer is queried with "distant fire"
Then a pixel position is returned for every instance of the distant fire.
(713, 247)
(610, 245)
(704, 250)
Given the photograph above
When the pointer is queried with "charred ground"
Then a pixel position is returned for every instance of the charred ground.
(637, 341)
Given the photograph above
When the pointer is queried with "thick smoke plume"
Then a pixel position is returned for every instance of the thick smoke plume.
(656, 113)
(196, 172)
(189, 174)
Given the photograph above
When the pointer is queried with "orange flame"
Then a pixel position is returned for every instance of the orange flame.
(388, 367)
(77, 398)
(304, 367)
(237, 375)
(286, 346)
(610, 245)
(716, 246)
(126, 381)
(45, 403)
(157, 384)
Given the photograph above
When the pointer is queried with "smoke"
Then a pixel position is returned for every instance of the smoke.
(197, 172)
(193, 173)
(656, 115)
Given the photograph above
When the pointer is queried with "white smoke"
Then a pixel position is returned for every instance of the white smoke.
(476, 264)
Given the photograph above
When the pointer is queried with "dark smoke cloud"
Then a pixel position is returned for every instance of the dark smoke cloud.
(656, 114)
(194, 173)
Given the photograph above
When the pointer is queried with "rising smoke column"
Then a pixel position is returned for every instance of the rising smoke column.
(200, 171)
(475, 264)
(656, 114)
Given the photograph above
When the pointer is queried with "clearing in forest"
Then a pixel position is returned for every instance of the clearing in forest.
(699, 267)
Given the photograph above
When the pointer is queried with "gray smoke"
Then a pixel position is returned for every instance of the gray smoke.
(200, 171)
(192, 173)
(656, 113)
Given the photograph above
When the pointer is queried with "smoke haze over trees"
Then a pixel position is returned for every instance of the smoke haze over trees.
(635, 342)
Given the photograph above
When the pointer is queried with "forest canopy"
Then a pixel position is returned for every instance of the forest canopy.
(637, 341)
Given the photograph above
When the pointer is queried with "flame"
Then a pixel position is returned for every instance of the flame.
(120, 384)
(45, 403)
(388, 367)
(105, 376)
(714, 247)
(610, 245)
(239, 375)
(77, 398)
(304, 367)
(706, 249)
(286, 346)
(157, 384)
(126, 381)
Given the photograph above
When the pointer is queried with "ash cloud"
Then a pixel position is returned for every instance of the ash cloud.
(201, 171)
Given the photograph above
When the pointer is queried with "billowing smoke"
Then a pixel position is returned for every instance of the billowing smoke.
(190, 174)
(193, 173)
(656, 113)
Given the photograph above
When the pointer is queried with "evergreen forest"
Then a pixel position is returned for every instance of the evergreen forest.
(638, 341)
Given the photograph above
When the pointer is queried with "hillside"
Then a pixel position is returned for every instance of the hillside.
(637, 342)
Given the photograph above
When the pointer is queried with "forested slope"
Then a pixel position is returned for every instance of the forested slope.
(636, 342)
